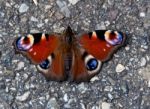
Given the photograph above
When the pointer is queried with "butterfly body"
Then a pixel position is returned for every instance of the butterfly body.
(64, 56)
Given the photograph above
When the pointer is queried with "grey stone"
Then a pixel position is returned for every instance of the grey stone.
(20, 65)
(1, 41)
(4, 104)
(124, 88)
(52, 104)
(143, 61)
(105, 105)
(63, 8)
(110, 96)
(145, 72)
(23, 8)
(82, 88)
(23, 97)
(142, 14)
(35, 2)
(73, 2)
(120, 68)
(34, 19)
(95, 78)
(65, 97)
(108, 88)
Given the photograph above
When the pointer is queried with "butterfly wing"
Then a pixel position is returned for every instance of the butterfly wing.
(95, 48)
(84, 66)
(37, 47)
(43, 50)
(53, 67)
(102, 43)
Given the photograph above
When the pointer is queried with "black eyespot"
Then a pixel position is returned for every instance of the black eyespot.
(92, 64)
(26, 38)
(45, 64)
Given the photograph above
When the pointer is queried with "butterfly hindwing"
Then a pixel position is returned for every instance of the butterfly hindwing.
(53, 67)
(84, 66)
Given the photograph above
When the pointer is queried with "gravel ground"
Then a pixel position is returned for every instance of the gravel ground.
(124, 81)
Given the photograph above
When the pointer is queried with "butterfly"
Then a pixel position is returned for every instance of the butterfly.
(65, 56)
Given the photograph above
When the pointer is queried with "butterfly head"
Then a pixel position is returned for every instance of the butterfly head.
(25, 43)
(113, 37)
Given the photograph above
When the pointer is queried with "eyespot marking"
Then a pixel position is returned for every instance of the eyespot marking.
(92, 64)
(45, 65)
(25, 43)
(113, 37)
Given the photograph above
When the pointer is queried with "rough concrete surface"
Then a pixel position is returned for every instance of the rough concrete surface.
(123, 82)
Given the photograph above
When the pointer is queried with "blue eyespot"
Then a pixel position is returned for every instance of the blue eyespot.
(25, 43)
(92, 64)
(113, 37)
(120, 38)
(18, 44)
(45, 64)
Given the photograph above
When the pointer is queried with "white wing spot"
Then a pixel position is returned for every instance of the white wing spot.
(107, 45)
(34, 53)
(43, 36)
(31, 50)
(94, 35)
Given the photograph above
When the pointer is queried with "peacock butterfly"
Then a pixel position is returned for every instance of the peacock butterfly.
(64, 56)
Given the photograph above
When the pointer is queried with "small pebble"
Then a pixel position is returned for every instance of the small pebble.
(40, 25)
(35, 2)
(23, 8)
(120, 68)
(95, 107)
(83, 106)
(100, 26)
(34, 19)
(127, 48)
(63, 8)
(108, 88)
(95, 78)
(107, 23)
(65, 97)
(23, 97)
(124, 88)
(82, 88)
(1, 41)
(142, 14)
(149, 83)
(110, 96)
(1, 72)
(145, 72)
(52, 104)
(73, 2)
(20, 66)
(61, 4)
(143, 61)
(106, 105)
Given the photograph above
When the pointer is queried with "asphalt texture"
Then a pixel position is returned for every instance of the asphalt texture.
(123, 82)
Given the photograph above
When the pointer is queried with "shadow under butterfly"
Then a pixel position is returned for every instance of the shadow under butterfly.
(64, 56)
